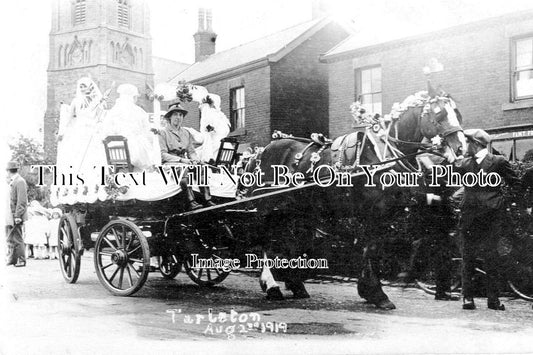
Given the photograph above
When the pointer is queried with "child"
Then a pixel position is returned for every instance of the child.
(36, 229)
(53, 225)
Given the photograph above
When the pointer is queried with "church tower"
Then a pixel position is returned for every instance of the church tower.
(108, 40)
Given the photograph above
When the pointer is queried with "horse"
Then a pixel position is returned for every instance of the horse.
(413, 124)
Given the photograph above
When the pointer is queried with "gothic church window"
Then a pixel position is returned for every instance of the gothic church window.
(79, 10)
(76, 53)
(112, 51)
(126, 55)
(117, 52)
(60, 57)
(65, 55)
(123, 13)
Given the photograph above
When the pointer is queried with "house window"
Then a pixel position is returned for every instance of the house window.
(522, 68)
(123, 13)
(79, 12)
(368, 88)
(237, 114)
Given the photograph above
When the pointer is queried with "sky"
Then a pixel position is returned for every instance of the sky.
(25, 26)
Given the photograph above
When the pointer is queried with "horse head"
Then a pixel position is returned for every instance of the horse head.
(426, 115)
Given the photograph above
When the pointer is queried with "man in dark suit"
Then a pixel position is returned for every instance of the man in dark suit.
(18, 207)
(483, 213)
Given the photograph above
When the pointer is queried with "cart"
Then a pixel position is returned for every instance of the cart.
(125, 235)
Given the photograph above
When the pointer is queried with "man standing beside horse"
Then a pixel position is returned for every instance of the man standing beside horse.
(483, 214)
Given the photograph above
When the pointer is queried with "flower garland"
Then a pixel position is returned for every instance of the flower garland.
(183, 91)
(361, 117)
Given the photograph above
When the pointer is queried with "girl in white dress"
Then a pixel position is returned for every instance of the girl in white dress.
(53, 228)
(36, 228)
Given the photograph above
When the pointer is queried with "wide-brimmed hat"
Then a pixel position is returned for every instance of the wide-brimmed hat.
(175, 108)
(12, 165)
(56, 210)
(478, 135)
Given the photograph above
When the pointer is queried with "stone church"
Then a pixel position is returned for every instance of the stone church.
(109, 40)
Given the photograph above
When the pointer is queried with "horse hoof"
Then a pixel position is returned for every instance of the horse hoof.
(274, 294)
(303, 294)
(385, 304)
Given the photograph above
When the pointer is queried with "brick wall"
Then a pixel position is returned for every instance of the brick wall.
(300, 85)
(257, 105)
(476, 62)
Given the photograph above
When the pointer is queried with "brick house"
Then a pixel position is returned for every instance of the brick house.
(273, 83)
(487, 66)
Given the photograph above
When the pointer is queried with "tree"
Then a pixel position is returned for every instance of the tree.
(27, 152)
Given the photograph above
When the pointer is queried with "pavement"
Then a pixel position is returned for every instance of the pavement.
(43, 314)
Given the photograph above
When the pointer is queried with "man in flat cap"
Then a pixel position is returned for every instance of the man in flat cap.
(177, 147)
(483, 213)
(18, 207)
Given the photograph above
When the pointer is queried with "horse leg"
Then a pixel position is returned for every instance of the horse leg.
(298, 288)
(268, 284)
(369, 286)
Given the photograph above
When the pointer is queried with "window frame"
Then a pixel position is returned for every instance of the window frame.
(358, 73)
(233, 110)
(514, 71)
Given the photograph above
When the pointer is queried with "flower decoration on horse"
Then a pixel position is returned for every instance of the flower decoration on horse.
(361, 117)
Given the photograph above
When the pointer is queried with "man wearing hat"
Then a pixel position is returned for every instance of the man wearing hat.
(18, 207)
(483, 213)
(177, 147)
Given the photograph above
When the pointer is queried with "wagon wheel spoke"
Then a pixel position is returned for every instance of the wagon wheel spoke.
(105, 253)
(109, 243)
(136, 260)
(129, 275)
(133, 268)
(121, 277)
(113, 276)
(200, 270)
(108, 265)
(208, 272)
(129, 243)
(123, 236)
(68, 265)
(134, 250)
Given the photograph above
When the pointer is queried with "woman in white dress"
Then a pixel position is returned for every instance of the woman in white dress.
(79, 137)
(214, 125)
(131, 121)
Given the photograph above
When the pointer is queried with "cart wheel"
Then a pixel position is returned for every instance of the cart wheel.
(218, 247)
(521, 280)
(122, 257)
(169, 266)
(68, 248)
